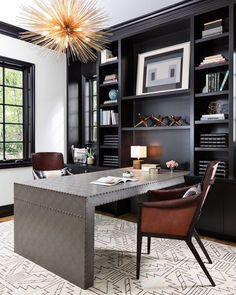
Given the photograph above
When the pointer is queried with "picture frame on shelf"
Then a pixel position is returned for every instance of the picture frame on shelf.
(165, 69)
(79, 155)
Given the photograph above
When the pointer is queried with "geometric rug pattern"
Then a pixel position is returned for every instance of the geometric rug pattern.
(170, 269)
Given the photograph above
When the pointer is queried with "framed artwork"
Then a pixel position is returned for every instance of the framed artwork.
(80, 155)
(164, 69)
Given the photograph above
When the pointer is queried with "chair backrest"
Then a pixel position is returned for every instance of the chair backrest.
(208, 179)
(45, 161)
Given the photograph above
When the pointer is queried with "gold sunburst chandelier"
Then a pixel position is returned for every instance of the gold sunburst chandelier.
(73, 27)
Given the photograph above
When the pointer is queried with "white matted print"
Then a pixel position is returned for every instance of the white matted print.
(164, 69)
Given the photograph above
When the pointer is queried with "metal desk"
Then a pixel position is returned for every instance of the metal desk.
(54, 218)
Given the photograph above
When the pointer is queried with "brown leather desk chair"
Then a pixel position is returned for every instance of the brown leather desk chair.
(170, 216)
(47, 161)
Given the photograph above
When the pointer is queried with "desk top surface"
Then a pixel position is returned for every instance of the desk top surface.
(80, 184)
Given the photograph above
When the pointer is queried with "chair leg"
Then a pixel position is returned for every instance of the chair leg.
(139, 249)
(202, 246)
(148, 245)
(199, 260)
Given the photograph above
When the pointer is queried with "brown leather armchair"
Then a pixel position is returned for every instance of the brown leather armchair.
(45, 161)
(170, 216)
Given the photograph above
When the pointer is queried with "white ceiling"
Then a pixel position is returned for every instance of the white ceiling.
(118, 10)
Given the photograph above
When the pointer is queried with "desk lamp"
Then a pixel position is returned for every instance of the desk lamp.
(138, 152)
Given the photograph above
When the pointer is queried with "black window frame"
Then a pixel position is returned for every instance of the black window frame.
(89, 79)
(28, 70)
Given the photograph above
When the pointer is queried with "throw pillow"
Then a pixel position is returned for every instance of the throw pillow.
(38, 174)
(193, 190)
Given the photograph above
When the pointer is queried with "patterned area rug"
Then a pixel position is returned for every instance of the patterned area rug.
(170, 269)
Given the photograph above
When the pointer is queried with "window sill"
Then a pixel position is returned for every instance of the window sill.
(20, 164)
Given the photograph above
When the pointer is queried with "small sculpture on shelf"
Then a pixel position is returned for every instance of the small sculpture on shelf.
(160, 121)
(176, 121)
(142, 121)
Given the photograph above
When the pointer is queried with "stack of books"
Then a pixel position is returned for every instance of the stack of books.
(146, 167)
(214, 140)
(212, 28)
(110, 79)
(111, 140)
(216, 81)
(108, 117)
(222, 169)
(107, 56)
(214, 117)
(218, 58)
(111, 161)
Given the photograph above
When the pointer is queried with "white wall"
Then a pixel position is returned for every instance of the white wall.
(118, 11)
(50, 106)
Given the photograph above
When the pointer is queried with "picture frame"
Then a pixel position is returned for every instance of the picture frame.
(164, 69)
(80, 155)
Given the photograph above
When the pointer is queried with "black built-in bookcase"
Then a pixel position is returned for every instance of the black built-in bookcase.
(177, 24)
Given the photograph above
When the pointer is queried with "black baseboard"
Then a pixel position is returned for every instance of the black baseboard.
(7, 210)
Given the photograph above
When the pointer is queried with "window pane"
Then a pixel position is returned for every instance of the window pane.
(94, 134)
(14, 132)
(13, 114)
(1, 132)
(14, 151)
(13, 96)
(1, 151)
(14, 78)
(1, 114)
(1, 75)
(94, 103)
(94, 87)
(1, 94)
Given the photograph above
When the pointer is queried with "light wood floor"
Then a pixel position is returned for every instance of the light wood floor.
(132, 218)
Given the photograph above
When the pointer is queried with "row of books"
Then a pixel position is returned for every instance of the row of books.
(111, 140)
(216, 81)
(214, 140)
(110, 79)
(214, 117)
(108, 117)
(212, 28)
(222, 169)
(110, 161)
(218, 58)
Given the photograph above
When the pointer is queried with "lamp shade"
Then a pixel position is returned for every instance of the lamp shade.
(138, 151)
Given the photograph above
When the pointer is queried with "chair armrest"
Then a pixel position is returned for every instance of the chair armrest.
(167, 194)
(172, 204)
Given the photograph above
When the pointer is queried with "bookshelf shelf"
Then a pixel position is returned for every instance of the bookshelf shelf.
(175, 93)
(216, 37)
(109, 84)
(109, 63)
(108, 105)
(164, 128)
(218, 93)
(109, 126)
(208, 149)
(214, 65)
(204, 122)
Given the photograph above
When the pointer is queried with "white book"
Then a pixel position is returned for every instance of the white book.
(114, 118)
(112, 180)
(224, 81)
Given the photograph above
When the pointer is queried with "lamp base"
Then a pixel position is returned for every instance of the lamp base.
(137, 164)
